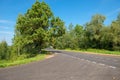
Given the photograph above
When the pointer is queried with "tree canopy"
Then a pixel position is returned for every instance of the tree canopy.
(93, 34)
(34, 28)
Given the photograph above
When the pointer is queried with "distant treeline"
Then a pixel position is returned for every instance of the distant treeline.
(93, 34)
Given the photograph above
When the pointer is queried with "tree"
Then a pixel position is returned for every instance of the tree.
(33, 29)
(94, 35)
(78, 30)
(93, 30)
(57, 29)
(4, 50)
(115, 30)
(106, 40)
(71, 37)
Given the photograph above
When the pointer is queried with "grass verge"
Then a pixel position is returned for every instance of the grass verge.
(97, 51)
(6, 63)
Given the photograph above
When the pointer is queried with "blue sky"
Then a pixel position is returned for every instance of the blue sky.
(70, 11)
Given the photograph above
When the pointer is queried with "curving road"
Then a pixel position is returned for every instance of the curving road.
(66, 66)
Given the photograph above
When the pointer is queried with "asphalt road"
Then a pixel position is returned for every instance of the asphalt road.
(110, 60)
(67, 66)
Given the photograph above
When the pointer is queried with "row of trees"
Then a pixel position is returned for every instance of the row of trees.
(93, 34)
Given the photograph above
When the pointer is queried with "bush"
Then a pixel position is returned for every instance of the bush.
(4, 53)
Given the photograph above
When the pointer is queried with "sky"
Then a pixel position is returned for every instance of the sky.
(70, 11)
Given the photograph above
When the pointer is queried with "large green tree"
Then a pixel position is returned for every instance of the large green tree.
(33, 29)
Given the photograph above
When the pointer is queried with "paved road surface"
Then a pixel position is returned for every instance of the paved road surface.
(67, 66)
(113, 61)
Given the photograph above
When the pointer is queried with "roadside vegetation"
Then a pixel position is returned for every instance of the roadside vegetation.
(34, 30)
(22, 60)
(94, 36)
(38, 28)
(95, 51)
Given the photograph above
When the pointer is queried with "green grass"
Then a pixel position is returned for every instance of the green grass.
(98, 51)
(4, 63)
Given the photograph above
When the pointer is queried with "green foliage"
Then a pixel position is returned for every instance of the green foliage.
(96, 51)
(115, 30)
(93, 35)
(57, 29)
(93, 30)
(71, 38)
(36, 29)
(32, 29)
(22, 60)
(106, 38)
(4, 50)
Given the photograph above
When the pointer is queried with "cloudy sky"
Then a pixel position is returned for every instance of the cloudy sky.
(70, 11)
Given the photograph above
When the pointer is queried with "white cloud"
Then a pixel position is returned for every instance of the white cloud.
(6, 32)
(4, 27)
(6, 21)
